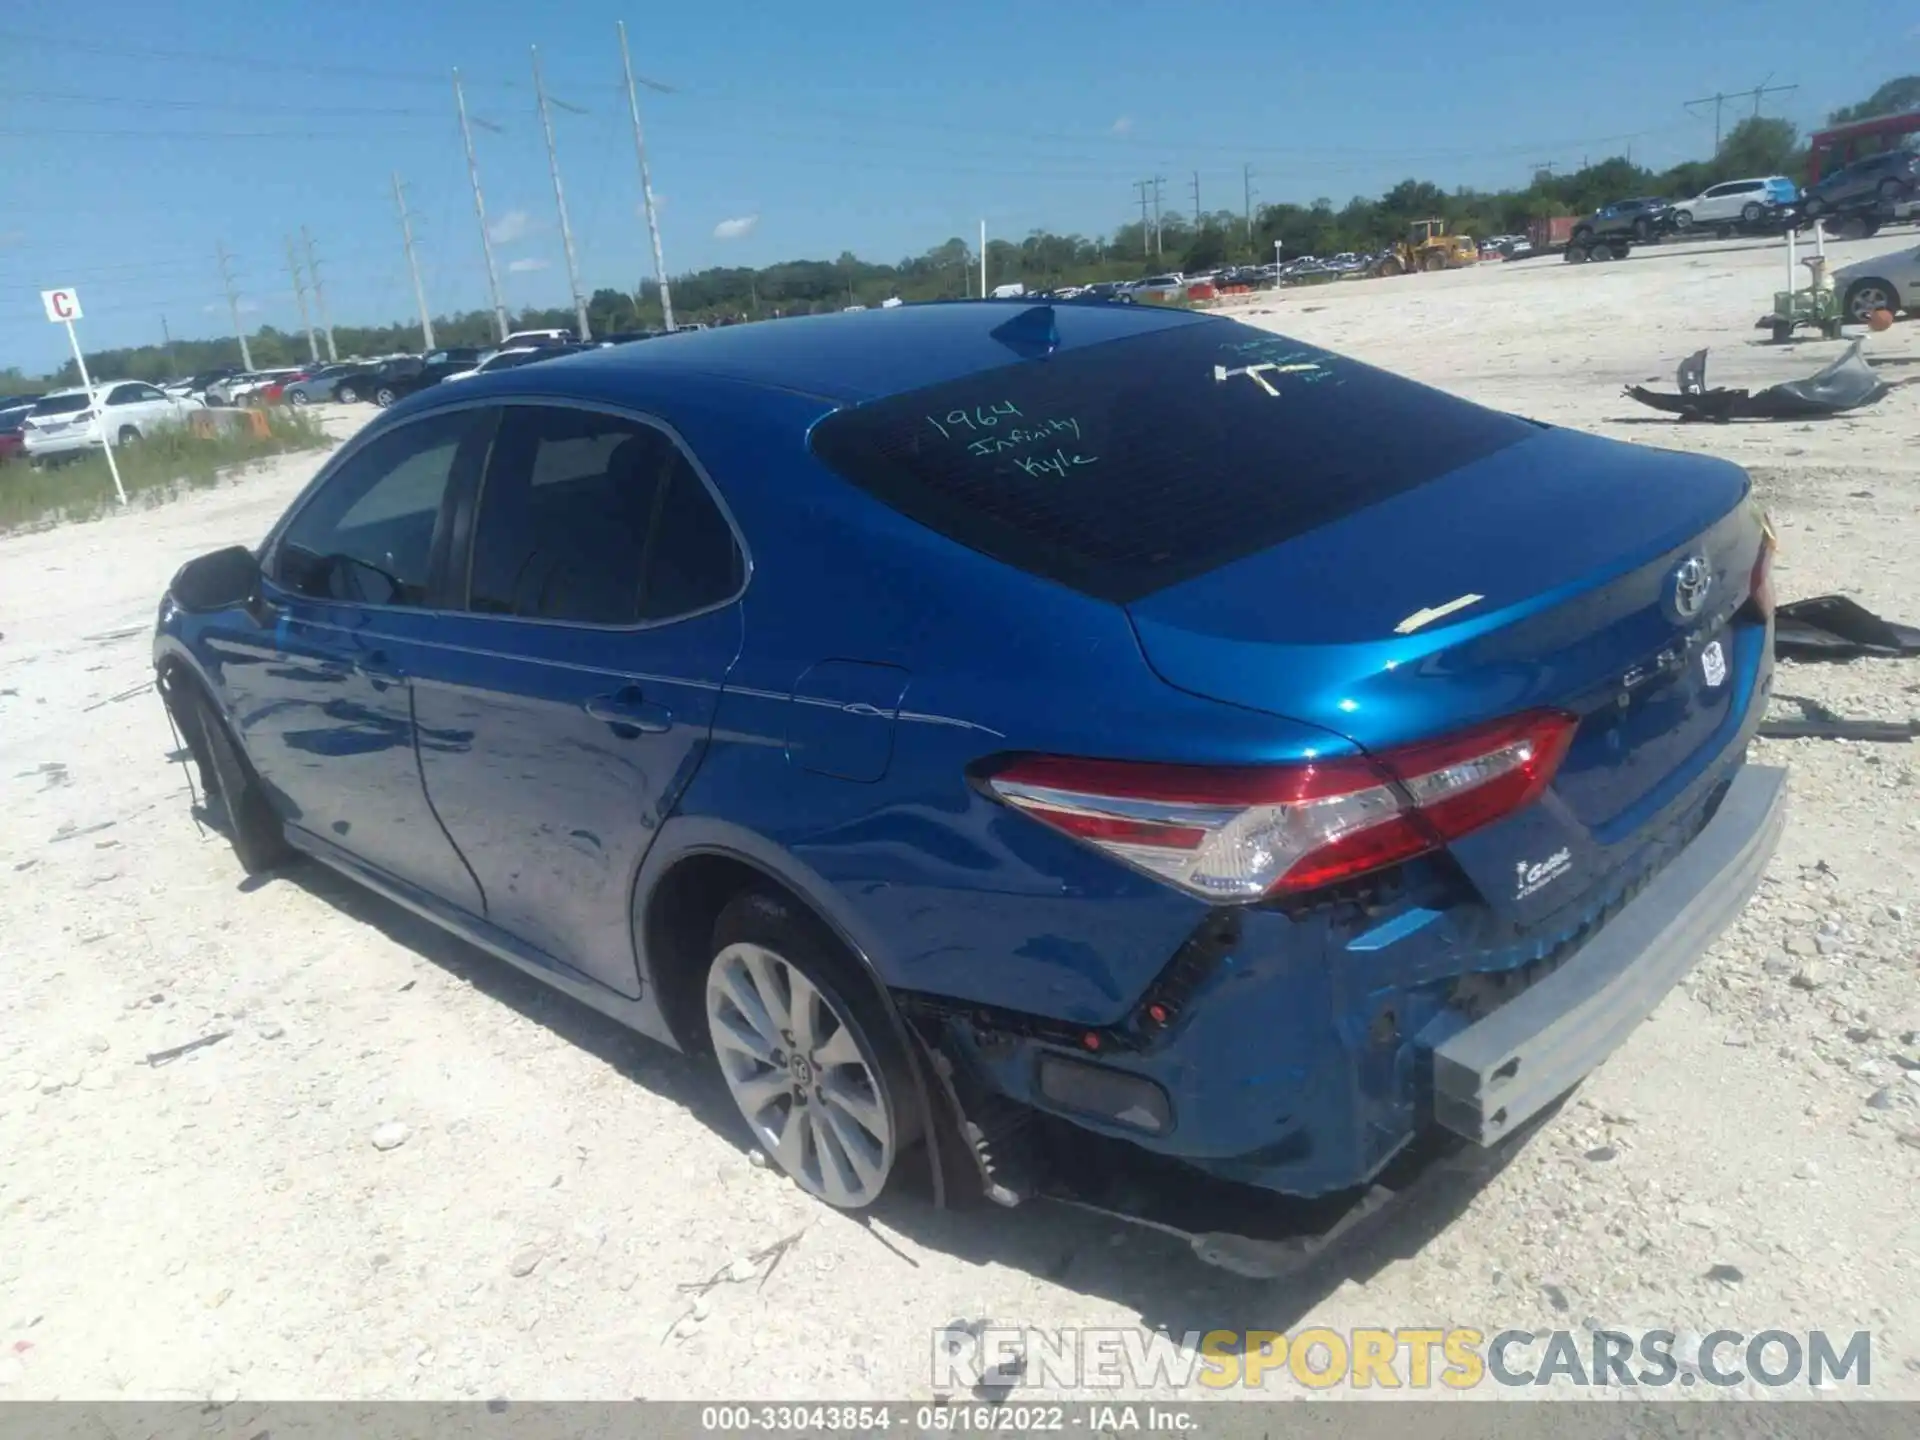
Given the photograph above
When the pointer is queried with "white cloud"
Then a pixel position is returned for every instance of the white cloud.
(1123, 126)
(520, 266)
(512, 226)
(736, 229)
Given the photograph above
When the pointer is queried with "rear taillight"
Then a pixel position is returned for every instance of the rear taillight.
(1248, 832)
(1760, 582)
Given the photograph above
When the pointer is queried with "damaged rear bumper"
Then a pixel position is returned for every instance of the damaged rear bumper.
(1500, 1071)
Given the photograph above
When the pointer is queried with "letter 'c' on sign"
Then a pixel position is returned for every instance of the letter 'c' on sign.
(62, 305)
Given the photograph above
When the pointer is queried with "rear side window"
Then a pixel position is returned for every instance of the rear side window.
(597, 520)
(1127, 466)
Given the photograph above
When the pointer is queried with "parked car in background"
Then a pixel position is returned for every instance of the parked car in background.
(1885, 179)
(404, 378)
(13, 410)
(196, 385)
(518, 356)
(457, 354)
(1883, 282)
(1159, 287)
(71, 422)
(1745, 202)
(1638, 219)
(318, 385)
(539, 337)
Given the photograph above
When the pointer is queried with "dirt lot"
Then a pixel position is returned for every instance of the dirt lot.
(408, 1172)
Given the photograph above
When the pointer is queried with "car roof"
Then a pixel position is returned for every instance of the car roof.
(849, 357)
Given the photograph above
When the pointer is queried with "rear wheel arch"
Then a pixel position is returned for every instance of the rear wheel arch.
(675, 913)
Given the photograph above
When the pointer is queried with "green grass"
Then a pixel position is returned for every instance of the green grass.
(154, 471)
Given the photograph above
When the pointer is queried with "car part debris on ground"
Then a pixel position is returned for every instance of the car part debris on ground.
(1846, 384)
(1833, 627)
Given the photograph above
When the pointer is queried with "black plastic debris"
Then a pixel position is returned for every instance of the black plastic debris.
(1832, 627)
(1820, 723)
(1846, 384)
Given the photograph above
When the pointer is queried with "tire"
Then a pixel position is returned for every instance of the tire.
(1599, 250)
(1434, 264)
(347, 395)
(1582, 234)
(1891, 190)
(1576, 254)
(1813, 207)
(297, 398)
(1643, 230)
(837, 1118)
(1391, 267)
(1683, 219)
(1751, 213)
(1868, 295)
(384, 397)
(1782, 332)
(254, 831)
(127, 436)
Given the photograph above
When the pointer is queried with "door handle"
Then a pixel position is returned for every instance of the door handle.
(380, 670)
(630, 713)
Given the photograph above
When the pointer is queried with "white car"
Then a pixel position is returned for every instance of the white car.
(504, 358)
(1881, 282)
(70, 422)
(1735, 201)
(537, 337)
(1163, 287)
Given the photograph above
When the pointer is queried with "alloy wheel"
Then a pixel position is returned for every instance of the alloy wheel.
(801, 1075)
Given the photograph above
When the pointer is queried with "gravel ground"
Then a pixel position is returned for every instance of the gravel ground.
(407, 1172)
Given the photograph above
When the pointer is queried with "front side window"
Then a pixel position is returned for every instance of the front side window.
(596, 519)
(367, 535)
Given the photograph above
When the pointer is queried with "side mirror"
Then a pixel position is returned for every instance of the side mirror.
(220, 581)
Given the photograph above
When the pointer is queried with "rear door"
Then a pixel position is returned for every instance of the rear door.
(600, 616)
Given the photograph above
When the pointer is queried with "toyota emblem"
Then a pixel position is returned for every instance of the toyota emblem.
(1687, 589)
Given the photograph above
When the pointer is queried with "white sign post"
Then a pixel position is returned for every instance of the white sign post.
(63, 308)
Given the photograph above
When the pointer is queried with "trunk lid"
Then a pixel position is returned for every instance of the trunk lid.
(1546, 575)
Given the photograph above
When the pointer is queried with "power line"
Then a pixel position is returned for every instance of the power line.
(1719, 102)
(228, 106)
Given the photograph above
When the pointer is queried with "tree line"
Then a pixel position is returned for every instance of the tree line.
(1758, 145)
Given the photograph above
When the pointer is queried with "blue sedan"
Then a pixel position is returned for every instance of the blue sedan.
(1010, 720)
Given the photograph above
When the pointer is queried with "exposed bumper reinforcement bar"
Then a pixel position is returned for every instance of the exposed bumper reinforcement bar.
(1500, 1071)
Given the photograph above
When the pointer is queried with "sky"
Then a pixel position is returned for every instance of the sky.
(137, 138)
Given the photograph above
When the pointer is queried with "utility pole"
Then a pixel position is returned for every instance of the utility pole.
(166, 341)
(233, 305)
(319, 296)
(1158, 181)
(560, 201)
(1246, 180)
(983, 259)
(1146, 234)
(300, 295)
(646, 184)
(413, 264)
(480, 210)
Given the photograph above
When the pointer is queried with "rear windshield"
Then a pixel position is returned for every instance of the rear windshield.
(1124, 467)
(61, 405)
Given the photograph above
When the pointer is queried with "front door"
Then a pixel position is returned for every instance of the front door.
(601, 617)
(325, 706)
